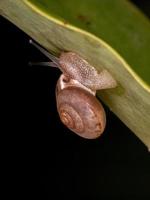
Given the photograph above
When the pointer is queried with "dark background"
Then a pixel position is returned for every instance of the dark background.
(50, 159)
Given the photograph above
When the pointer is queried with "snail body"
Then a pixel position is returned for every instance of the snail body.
(79, 69)
(76, 88)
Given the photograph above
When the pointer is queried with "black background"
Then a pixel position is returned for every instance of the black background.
(50, 159)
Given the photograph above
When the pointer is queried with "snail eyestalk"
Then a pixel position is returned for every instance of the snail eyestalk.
(46, 53)
(49, 64)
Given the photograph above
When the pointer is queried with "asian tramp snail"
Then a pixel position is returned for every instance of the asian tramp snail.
(77, 105)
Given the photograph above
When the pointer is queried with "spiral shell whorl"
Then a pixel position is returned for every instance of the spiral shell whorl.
(80, 111)
(70, 117)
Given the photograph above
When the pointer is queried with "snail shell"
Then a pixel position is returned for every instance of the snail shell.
(79, 110)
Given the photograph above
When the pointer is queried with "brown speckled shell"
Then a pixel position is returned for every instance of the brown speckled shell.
(81, 112)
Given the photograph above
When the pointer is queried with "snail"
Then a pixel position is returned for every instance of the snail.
(77, 105)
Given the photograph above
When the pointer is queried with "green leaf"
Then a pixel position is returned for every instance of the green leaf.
(112, 35)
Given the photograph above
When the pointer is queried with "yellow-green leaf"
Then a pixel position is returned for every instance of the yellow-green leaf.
(112, 35)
